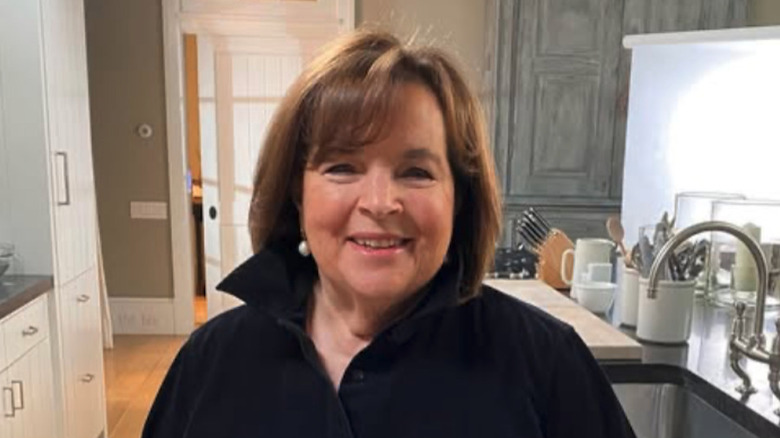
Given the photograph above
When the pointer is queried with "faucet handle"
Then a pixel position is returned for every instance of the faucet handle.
(738, 325)
(776, 343)
(741, 307)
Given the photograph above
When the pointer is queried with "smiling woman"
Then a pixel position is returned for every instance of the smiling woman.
(374, 218)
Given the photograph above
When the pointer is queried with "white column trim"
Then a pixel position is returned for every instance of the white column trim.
(179, 202)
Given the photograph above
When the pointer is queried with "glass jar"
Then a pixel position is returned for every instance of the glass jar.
(732, 273)
(695, 207)
(7, 257)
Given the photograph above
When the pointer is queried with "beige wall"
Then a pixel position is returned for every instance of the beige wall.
(126, 84)
(457, 25)
(764, 12)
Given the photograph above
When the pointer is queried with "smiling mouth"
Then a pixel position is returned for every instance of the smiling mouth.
(378, 244)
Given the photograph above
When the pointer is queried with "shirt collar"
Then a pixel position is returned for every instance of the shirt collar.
(279, 282)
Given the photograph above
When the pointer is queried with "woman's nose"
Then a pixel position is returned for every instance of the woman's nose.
(380, 196)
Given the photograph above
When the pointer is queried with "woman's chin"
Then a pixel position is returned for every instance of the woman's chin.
(382, 288)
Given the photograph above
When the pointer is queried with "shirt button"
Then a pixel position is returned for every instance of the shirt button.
(358, 376)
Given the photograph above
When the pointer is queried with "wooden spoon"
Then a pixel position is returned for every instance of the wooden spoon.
(616, 232)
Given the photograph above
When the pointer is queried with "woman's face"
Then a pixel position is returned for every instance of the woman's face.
(379, 220)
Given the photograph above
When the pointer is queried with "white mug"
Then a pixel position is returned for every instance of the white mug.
(586, 251)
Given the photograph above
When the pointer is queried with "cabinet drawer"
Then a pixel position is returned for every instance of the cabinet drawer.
(25, 328)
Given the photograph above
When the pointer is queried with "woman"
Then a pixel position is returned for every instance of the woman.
(374, 218)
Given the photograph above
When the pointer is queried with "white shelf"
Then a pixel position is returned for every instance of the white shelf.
(726, 38)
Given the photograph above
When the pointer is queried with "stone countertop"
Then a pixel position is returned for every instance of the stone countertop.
(18, 290)
(706, 355)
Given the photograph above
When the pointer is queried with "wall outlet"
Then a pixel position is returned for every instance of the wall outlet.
(149, 210)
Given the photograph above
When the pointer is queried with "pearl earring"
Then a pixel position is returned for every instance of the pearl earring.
(303, 248)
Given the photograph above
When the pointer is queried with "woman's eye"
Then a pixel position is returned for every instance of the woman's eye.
(340, 169)
(417, 173)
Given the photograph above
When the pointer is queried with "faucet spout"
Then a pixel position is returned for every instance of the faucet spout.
(739, 347)
(739, 233)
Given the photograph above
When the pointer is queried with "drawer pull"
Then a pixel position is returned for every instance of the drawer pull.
(13, 411)
(21, 394)
(82, 298)
(30, 331)
(88, 378)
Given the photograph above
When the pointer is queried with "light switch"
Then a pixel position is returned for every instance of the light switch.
(149, 210)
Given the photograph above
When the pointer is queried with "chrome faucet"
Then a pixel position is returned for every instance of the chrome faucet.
(754, 346)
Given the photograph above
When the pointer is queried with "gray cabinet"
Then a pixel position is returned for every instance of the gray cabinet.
(559, 101)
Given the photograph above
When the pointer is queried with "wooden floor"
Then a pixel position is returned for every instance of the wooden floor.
(200, 310)
(134, 371)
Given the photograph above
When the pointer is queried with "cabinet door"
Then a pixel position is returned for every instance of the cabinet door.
(29, 389)
(555, 121)
(83, 357)
(67, 103)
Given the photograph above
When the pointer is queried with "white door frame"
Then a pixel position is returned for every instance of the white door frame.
(260, 18)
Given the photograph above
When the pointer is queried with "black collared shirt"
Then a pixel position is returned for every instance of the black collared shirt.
(490, 367)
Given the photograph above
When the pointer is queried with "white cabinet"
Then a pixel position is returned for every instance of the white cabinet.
(27, 382)
(50, 185)
(83, 361)
(69, 141)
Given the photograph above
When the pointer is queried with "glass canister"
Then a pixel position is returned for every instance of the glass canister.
(732, 271)
(7, 259)
(694, 207)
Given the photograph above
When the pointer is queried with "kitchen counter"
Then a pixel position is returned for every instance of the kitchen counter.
(18, 290)
(604, 341)
(706, 355)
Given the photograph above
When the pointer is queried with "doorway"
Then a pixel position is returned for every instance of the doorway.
(232, 84)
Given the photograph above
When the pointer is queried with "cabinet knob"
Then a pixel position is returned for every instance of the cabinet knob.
(30, 331)
(213, 212)
(88, 378)
(82, 298)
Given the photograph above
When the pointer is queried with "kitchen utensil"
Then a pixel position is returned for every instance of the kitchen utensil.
(636, 257)
(596, 297)
(651, 239)
(667, 318)
(585, 251)
(646, 254)
(548, 243)
(617, 234)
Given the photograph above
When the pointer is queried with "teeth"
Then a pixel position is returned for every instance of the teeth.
(384, 243)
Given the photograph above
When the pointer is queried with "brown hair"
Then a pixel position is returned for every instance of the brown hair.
(342, 101)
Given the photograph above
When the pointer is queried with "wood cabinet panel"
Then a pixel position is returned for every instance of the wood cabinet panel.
(564, 66)
(560, 97)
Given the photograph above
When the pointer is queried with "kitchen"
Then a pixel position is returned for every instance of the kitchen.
(133, 126)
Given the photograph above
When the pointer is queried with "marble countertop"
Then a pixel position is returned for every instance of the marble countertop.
(18, 290)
